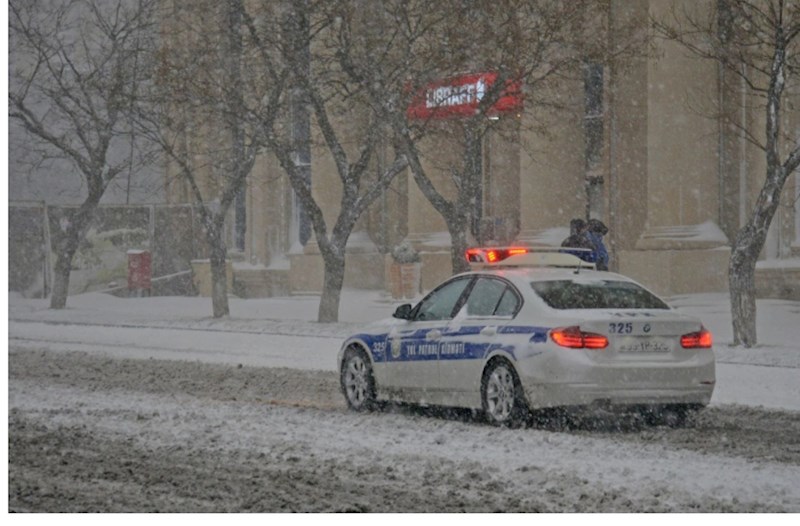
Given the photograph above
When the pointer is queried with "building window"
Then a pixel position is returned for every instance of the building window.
(593, 125)
(593, 115)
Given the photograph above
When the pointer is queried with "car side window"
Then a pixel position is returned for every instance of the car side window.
(509, 303)
(491, 297)
(440, 303)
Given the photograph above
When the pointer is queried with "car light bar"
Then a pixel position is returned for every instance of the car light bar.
(494, 255)
(516, 256)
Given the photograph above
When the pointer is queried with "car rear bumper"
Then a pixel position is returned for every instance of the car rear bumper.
(550, 382)
(542, 396)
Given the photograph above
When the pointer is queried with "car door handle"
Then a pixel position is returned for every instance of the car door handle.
(434, 334)
(489, 331)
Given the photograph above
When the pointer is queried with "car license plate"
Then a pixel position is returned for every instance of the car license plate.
(644, 345)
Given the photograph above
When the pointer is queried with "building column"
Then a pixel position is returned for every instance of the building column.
(681, 247)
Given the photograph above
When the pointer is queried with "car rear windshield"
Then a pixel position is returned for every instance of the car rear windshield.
(600, 294)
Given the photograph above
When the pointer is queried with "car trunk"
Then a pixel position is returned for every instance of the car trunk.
(637, 336)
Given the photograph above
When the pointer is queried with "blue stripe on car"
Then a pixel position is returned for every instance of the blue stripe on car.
(415, 347)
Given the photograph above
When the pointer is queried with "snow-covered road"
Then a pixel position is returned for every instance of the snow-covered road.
(149, 405)
(93, 433)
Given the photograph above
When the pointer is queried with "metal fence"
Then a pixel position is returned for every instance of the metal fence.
(170, 232)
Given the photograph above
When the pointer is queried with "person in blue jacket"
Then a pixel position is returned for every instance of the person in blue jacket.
(595, 230)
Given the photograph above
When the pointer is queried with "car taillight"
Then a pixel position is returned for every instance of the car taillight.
(575, 338)
(697, 340)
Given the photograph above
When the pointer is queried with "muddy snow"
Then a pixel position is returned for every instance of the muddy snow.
(92, 432)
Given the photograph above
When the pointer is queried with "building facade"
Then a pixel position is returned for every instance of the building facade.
(640, 151)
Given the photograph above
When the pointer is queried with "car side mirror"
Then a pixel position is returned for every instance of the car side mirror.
(403, 312)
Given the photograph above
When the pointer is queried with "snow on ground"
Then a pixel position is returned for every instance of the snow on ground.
(178, 414)
(182, 328)
(560, 469)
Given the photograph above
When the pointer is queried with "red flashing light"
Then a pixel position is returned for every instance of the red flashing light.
(493, 255)
(574, 338)
(476, 255)
(701, 339)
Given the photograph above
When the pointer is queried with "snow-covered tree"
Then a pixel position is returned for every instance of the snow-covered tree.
(308, 50)
(75, 67)
(232, 75)
(756, 43)
(210, 111)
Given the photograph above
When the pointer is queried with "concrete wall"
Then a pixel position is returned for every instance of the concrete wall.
(668, 272)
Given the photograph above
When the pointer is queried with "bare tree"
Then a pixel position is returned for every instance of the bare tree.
(211, 111)
(756, 42)
(307, 52)
(74, 69)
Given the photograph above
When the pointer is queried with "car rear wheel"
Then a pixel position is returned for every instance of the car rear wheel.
(502, 395)
(358, 383)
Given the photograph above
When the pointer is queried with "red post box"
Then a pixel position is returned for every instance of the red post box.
(139, 272)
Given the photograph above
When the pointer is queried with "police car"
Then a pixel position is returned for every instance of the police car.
(530, 329)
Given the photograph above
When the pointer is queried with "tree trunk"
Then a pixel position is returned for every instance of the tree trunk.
(219, 284)
(742, 266)
(331, 288)
(67, 247)
(219, 275)
(741, 281)
(58, 299)
(459, 244)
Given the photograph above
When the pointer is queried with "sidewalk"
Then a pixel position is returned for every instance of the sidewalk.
(281, 315)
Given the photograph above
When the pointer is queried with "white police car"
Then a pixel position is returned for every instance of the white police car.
(532, 329)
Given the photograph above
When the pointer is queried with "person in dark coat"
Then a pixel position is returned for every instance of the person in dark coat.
(595, 230)
(578, 238)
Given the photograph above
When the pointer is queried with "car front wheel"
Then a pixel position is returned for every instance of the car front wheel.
(358, 383)
(502, 395)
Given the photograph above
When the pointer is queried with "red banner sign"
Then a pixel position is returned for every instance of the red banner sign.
(461, 96)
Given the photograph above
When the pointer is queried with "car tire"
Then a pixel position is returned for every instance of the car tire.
(502, 395)
(357, 380)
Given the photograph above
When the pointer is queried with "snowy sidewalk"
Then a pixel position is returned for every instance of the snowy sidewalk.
(281, 315)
